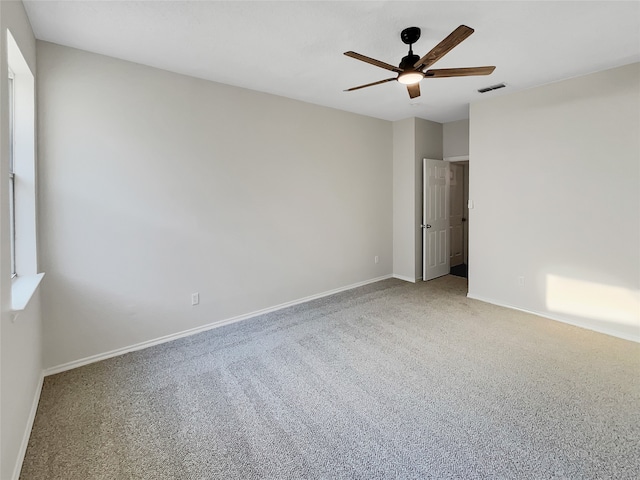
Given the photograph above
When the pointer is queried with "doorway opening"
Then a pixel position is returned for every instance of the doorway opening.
(458, 218)
(445, 213)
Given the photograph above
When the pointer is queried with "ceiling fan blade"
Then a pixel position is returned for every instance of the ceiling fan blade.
(459, 72)
(414, 90)
(371, 84)
(373, 61)
(444, 47)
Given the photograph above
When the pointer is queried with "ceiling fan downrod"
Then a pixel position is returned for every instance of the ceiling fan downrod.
(410, 74)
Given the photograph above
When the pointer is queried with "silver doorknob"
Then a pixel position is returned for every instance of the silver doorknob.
(425, 226)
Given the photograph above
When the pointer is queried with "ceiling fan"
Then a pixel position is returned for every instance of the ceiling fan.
(412, 68)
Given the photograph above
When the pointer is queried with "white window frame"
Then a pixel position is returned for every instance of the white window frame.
(24, 262)
(12, 197)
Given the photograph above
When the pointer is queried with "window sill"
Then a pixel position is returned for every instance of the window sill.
(22, 289)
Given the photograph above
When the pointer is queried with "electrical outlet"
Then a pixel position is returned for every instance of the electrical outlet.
(195, 298)
(521, 281)
(375, 259)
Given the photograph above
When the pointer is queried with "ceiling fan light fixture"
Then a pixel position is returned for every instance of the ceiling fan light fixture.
(410, 77)
(412, 69)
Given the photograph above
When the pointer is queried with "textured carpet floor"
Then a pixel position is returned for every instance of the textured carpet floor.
(391, 380)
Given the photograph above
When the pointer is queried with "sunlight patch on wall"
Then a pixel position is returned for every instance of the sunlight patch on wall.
(593, 300)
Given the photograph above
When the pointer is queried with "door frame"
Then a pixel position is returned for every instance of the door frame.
(467, 240)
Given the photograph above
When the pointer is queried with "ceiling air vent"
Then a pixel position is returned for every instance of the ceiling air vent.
(492, 87)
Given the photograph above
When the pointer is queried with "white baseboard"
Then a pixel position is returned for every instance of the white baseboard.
(193, 331)
(27, 432)
(556, 318)
(406, 279)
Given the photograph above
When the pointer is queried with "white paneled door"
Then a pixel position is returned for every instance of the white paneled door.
(435, 219)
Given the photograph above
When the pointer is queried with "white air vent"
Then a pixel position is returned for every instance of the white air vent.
(492, 87)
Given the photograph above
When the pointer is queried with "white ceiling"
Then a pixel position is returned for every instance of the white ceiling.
(295, 49)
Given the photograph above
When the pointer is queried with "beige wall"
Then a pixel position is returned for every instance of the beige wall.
(455, 139)
(404, 138)
(156, 185)
(20, 337)
(554, 177)
(413, 140)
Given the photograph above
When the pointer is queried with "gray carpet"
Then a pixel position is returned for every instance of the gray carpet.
(391, 380)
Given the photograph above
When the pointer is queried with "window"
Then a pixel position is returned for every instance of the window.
(20, 116)
(12, 205)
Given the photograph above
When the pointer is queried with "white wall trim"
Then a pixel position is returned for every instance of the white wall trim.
(193, 331)
(575, 323)
(406, 279)
(460, 158)
(27, 432)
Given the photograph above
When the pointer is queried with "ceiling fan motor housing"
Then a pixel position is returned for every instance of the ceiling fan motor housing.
(409, 61)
